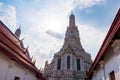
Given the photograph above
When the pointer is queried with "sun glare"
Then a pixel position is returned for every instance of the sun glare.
(55, 23)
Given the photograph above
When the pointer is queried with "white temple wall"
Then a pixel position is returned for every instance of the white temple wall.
(111, 63)
(9, 69)
(4, 63)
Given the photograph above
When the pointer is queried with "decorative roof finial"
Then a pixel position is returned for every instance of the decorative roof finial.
(22, 38)
(27, 47)
(71, 12)
(46, 62)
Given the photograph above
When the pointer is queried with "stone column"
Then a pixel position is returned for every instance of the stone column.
(116, 52)
(82, 64)
(116, 47)
(10, 66)
(55, 67)
(71, 62)
(94, 73)
(103, 69)
(62, 62)
(65, 62)
(75, 58)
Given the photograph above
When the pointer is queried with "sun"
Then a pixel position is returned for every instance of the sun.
(55, 23)
(52, 23)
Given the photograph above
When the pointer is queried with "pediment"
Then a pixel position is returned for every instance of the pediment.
(68, 49)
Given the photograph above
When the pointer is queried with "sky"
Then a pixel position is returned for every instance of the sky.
(44, 23)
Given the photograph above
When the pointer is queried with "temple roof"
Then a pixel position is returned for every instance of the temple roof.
(11, 46)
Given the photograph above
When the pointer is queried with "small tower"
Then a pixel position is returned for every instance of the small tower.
(46, 63)
(18, 32)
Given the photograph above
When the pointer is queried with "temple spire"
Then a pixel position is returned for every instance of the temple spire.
(72, 20)
(18, 32)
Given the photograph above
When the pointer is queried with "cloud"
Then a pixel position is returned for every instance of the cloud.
(91, 38)
(85, 3)
(50, 21)
(8, 15)
(55, 34)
